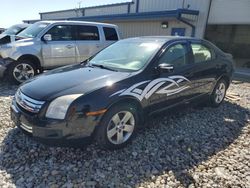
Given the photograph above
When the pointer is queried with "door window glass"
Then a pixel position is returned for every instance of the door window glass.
(201, 53)
(175, 55)
(88, 33)
(61, 33)
(110, 33)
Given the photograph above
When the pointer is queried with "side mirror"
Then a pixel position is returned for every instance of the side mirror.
(47, 37)
(164, 67)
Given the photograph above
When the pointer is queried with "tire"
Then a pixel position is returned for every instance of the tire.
(20, 71)
(219, 93)
(112, 132)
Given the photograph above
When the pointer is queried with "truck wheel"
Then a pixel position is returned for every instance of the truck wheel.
(117, 127)
(21, 71)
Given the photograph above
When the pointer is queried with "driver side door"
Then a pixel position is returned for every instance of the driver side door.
(174, 85)
(61, 49)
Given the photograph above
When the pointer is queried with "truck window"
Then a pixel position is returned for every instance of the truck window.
(87, 33)
(61, 33)
(110, 33)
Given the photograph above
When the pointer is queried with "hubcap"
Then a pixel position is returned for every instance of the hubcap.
(23, 72)
(220, 93)
(121, 127)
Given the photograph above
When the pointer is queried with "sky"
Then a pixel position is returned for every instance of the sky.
(14, 11)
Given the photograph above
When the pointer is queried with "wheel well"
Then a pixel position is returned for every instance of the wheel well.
(33, 59)
(227, 80)
(126, 101)
(134, 102)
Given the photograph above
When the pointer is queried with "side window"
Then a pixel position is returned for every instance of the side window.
(110, 33)
(175, 55)
(61, 33)
(88, 33)
(201, 53)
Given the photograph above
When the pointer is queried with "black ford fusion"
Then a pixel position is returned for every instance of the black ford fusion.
(110, 95)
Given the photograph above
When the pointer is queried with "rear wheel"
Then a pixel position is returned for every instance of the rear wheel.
(118, 127)
(219, 93)
(21, 71)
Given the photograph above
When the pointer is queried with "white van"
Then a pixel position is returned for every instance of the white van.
(51, 44)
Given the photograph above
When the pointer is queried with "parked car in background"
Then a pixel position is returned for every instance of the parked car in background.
(2, 30)
(110, 95)
(51, 44)
(9, 35)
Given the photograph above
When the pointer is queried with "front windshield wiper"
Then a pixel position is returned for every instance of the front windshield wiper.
(102, 67)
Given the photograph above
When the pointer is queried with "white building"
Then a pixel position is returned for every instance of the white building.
(224, 22)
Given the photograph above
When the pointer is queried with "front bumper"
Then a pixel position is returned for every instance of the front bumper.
(74, 133)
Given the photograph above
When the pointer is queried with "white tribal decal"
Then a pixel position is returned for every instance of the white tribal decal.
(153, 87)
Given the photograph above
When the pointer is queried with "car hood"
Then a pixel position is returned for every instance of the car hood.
(22, 42)
(2, 36)
(77, 79)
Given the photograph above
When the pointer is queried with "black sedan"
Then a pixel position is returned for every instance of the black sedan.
(110, 95)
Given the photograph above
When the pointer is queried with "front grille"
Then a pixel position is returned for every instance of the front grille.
(27, 103)
(26, 127)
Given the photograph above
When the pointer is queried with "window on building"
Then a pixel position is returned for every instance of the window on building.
(175, 55)
(110, 33)
(201, 53)
(88, 33)
(61, 33)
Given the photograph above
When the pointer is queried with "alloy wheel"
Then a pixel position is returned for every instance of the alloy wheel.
(23, 72)
(220, 93)
(120, 127)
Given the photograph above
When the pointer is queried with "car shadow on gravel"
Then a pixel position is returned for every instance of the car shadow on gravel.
(173, 143)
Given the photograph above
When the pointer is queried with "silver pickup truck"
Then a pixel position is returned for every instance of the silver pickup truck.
(50, 44)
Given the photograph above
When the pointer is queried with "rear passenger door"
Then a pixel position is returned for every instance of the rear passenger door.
(88, 42)
(204, 67)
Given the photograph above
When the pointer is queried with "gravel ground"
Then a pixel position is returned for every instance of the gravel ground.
(190, 148)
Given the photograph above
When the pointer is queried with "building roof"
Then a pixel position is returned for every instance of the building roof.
(141, 15)
(90, 7)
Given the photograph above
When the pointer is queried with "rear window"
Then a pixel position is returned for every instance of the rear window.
(201, 53)
(110, 33)
(88, 33)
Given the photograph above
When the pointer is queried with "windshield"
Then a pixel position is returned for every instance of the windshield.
(13, 30)
(33, 30)
(127, 55)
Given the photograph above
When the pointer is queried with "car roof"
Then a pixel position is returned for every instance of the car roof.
(77, 22)
(161, 39)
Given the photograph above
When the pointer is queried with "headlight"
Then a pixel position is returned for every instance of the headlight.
(58, 107)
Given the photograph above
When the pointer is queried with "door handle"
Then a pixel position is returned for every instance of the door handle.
(69, 46)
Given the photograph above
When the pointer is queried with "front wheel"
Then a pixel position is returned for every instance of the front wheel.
(218, 94)
(117, 127)
(21, 71)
